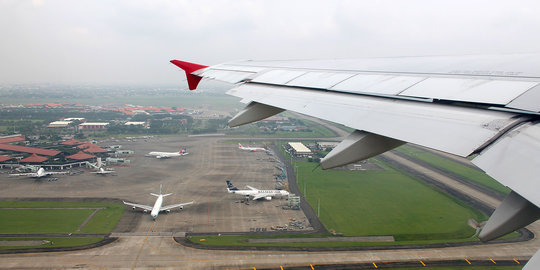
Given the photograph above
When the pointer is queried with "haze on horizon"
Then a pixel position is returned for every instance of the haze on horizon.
(131, 42)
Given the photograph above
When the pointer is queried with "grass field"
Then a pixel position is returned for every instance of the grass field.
(41, 220)
(317, 131)
(54, 242)
(454, 167)
(240, 240)
(58, 220)
(384, 202)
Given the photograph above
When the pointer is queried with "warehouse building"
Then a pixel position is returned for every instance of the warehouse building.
(298, 149)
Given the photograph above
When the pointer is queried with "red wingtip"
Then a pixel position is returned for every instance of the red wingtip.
(193, 80)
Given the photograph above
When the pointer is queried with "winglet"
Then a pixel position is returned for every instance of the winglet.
(193, 80)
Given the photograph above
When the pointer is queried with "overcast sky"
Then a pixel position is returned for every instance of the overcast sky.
(131, 42)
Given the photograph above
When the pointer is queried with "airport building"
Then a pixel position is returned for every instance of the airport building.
(12, 138)
(59, 124)
(298, 149)
(93, 126)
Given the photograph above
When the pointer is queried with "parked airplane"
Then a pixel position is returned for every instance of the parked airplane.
(168, 154)
(252, 149)
(40, 173)
(254, 193)
(104, 172)
(154, 210)
(481, 106)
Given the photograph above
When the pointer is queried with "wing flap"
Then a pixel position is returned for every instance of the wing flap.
(514, 161)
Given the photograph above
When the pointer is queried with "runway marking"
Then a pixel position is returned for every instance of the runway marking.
(142, 246)
(423, 264)
(515, 260)
(281, 267)
(492, 261)
(375, 265)
(467, 261)
(311, 267)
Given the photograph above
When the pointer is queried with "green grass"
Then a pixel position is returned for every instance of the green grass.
(454, 167)
(105, 220)
(252, 130)
(387, 202)
(41, 220)
(55, 242)
(58, 220)
(240, 240)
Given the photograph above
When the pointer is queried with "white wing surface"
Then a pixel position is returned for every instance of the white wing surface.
(142, 206)
(464, 105)
(252, 188)
(51, 173)
(168, 207)
(22, 174)
(259, 196)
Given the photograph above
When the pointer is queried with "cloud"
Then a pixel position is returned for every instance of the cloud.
(131, 41)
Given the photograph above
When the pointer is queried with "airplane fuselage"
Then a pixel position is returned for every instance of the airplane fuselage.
(157, 207)
(262, 193)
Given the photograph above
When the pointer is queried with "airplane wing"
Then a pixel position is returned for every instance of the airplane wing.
(259, 196)
(252, 188)
(465, 105)
(168, 207)
(22, 174)
(52, 173)
(142, 206)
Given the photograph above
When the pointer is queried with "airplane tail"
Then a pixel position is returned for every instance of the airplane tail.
(230, 186)
(240, 146)
(160, 192)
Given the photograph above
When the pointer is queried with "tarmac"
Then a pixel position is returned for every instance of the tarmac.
(200, 176)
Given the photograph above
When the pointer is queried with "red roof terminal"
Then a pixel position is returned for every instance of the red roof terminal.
(31, 150)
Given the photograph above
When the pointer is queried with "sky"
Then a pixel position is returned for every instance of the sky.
(132, 41)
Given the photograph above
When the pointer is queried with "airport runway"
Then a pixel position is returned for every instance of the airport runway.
(200, 176)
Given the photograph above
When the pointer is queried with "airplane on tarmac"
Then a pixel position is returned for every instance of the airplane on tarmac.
(104, 172)
(39, 174)
(252, 149)
(254, 193)
(168, 154)
(485, 107)
(154, 210)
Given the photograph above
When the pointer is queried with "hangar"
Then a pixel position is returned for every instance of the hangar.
(298, 149)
